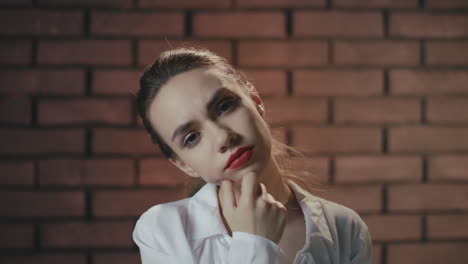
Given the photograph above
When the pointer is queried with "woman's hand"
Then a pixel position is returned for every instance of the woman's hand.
(255, 212)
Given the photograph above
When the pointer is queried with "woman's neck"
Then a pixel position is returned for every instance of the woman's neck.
(275, 183)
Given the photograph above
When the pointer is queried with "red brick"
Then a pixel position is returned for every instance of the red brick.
(27, 141)
(45, 204)
(447, 110)
(116, 258)
(446, 4)
(427, 139)
(313, 170)
(279, 133)
(338, 24)
(377, 253)
(267, 82)
(447, 53)
(17, 22)
(116, 111)
(87, 234)
(131, 203)
(337, 139)
(70, 82)
(123, 141)
(137, 23)
(381, 110)
(87, 172)
(87, 3)
(149, 50)
(428, 25)
(140, 122)
(428, 197)
(44, 258)
(16, 235)
(280, 3)
(282, 53)
(440, 252)
(359, 198)
(338, 82)
(15, 110)
(295, 109)
(394, 227)
(240, 24)
(376, 52)
(185, 3)
(85, 51)
(448, 167)
(16, 173)
(376, 3)
(428, 82)
(116, 82)
(15, 52)
(382, 168)
(160, 172)
(453, 226)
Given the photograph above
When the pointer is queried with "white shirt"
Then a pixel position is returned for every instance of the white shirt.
(190, 231)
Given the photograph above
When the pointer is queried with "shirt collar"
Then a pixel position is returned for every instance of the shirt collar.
(203, 209)
(314, 211)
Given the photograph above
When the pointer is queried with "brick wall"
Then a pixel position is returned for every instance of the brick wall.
(373, 91)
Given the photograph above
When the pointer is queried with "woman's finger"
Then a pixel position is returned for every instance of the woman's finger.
(281, 206)
(269, 198)
(264, 190)
(261, 200)
(248, 188)
(227, 194)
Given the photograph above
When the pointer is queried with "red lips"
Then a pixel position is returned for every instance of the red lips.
(237, 154)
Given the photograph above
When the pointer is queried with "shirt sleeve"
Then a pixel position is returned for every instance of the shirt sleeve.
(247, 248)
(145, 242)
(362, 248)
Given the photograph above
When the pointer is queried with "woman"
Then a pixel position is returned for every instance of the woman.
(209, 122)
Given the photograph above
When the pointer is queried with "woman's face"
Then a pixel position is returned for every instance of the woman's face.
(205, 117)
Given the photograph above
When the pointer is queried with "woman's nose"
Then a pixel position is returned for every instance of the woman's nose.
(225, 137)
(231, 140)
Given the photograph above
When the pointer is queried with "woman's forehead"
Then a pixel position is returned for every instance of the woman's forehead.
(188, 89)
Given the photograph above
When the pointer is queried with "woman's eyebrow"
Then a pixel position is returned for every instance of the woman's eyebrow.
(181, 129)
(216, 95)
(214, 98)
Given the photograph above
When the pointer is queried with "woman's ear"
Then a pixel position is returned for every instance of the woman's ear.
(258, 103)
(184, 167)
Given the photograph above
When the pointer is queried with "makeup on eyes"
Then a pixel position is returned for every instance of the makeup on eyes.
(233, 102)
(184, 143)
(222, 92)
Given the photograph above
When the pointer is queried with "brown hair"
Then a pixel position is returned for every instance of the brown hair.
(175, 61)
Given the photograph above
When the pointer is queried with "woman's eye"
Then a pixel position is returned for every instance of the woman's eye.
(225, 105)
(190, 139)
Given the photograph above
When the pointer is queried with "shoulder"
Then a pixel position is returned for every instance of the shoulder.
(351, 231)
(164, 215)
(339, 218)
(159, 228)
(344, 217)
